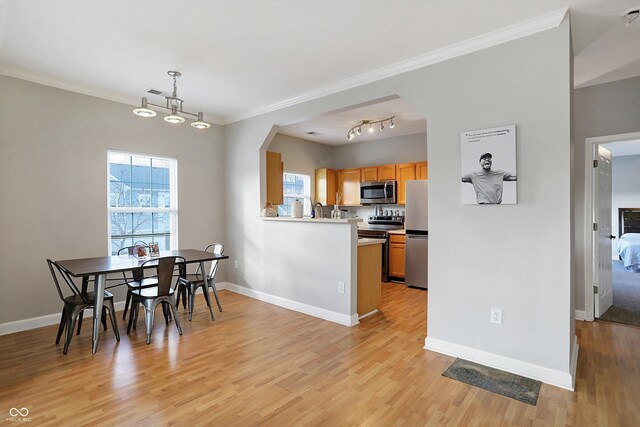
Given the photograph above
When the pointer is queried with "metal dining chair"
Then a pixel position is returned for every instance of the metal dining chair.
(138, 281)
(76, 303)
(189, 284)
(150, 297)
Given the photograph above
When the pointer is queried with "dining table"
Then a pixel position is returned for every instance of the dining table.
(100, 267)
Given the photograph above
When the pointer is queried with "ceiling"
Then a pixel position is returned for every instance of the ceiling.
(246, 57)
(332, 128)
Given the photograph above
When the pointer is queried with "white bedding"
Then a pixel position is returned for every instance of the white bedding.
(629, 251)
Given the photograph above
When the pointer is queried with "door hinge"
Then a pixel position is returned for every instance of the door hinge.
(595, 226)
(595, 163)
(595, 290)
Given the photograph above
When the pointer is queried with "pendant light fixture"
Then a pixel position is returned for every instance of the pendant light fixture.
(357, 129)
(174, 106)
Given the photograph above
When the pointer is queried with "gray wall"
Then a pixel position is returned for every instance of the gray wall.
(53, 188)
(517, 257)
(302, 156)
(606, 109)
(625, 191)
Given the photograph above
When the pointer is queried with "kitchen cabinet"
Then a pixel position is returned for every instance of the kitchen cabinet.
(422, 171)
(396, 256)
(369, 174)
(404, 172)
(349, 185)
(387, 172)
(275, 171)
(326, 186)
(369, 272)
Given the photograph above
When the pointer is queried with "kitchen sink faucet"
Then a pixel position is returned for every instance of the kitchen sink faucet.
(321, 211)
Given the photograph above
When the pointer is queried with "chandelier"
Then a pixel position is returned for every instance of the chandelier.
(173, 105)
(357, 129)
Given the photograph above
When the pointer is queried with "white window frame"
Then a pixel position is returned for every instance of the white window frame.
(173, 192)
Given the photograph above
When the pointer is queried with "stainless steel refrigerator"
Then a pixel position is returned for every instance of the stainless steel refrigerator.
(416, 224)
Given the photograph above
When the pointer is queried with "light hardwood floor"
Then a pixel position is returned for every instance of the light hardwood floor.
(259, 364)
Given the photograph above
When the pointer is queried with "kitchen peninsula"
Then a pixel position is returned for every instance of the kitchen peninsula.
(312, 266)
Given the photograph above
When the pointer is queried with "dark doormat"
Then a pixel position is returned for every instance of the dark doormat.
(505, 383)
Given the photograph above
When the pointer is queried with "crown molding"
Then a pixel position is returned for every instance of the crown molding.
(48, 80)
(503, 35)
(512, 32)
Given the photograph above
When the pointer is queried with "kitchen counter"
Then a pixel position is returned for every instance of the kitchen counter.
(314, 220)
(402, 232)
(364, 241)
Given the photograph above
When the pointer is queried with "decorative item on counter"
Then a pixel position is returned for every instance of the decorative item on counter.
(296, 209)
(269, 210)
(313, 210)
(335, 213)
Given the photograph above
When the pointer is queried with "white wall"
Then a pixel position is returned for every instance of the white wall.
(516, 257)
(606, 109)
(53, 188)
(625, 190)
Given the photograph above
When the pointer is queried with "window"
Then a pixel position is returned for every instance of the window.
(296, 186)
(143, 202)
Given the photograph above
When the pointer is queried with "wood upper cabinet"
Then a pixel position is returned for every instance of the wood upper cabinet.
(386, 172)
(326, 186)
(275, 171)
(369, 174)
(404, 172)
(349, 185)
(396, 256)
(422, 171)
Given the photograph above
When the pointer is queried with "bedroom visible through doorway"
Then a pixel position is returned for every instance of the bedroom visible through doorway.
(621, 226)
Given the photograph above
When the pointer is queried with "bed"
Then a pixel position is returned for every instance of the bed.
(629, 243)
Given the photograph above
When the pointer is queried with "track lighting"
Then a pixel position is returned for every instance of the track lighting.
(357, 129)
(174, 105)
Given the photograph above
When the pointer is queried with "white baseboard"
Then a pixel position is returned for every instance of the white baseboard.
(38, 322)
(549, 376)
(332, 316)
(580, 315)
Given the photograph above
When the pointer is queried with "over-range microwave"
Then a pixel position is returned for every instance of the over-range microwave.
(378, 192)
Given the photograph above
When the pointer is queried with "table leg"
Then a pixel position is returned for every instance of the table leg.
(99, 285)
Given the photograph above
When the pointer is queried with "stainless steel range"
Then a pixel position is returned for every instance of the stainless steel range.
(378, 228)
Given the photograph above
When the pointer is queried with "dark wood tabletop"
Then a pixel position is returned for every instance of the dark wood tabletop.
(114, 264)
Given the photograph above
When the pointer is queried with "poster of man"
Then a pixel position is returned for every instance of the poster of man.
(489, 166)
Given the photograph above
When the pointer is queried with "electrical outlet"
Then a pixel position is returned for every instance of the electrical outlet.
(236, 264)
(341, 287)
(496, 316)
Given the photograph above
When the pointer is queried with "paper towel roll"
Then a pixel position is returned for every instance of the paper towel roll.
(296, 209)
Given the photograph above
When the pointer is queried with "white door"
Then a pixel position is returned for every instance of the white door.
(604, 298)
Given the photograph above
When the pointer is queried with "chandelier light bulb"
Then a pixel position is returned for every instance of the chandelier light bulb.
(174, 118)
(200, 124)
(144, 111)
(359, 131)
(392, 125)
(370, 129)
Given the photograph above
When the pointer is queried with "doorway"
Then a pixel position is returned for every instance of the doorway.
(610, 289)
